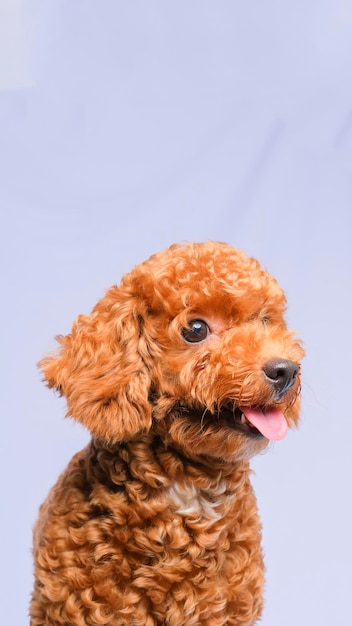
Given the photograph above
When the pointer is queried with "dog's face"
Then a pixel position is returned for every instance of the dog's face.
(193, 344)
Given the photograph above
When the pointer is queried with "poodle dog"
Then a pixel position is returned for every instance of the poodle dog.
(181, 374)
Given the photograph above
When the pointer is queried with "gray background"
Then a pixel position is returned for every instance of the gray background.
(126, 126)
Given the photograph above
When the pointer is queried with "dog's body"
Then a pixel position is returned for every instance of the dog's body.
(181, 374)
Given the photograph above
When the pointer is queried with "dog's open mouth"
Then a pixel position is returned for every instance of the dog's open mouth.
(268, 422)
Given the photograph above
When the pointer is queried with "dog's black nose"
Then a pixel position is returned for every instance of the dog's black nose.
(281, 373)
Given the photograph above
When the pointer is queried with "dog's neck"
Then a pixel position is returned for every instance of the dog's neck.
(148, 461)
(161, 477)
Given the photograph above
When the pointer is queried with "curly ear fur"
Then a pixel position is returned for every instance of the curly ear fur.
(100, 370)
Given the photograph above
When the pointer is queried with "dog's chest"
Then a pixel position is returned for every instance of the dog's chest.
(190, 500)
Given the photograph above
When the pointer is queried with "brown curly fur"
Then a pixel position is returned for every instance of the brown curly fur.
(155, 521)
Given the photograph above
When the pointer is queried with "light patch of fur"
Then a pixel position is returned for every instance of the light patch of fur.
(190, 500)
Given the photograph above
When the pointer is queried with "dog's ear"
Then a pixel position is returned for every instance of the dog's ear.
(100, 371)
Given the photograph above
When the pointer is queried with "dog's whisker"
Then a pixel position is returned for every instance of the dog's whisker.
(202, 419)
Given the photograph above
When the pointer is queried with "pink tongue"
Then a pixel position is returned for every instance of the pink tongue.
(271, 424)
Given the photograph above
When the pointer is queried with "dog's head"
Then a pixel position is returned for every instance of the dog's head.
(193, 344)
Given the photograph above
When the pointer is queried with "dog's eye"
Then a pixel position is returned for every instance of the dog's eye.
(196, 331)
(265, 320)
